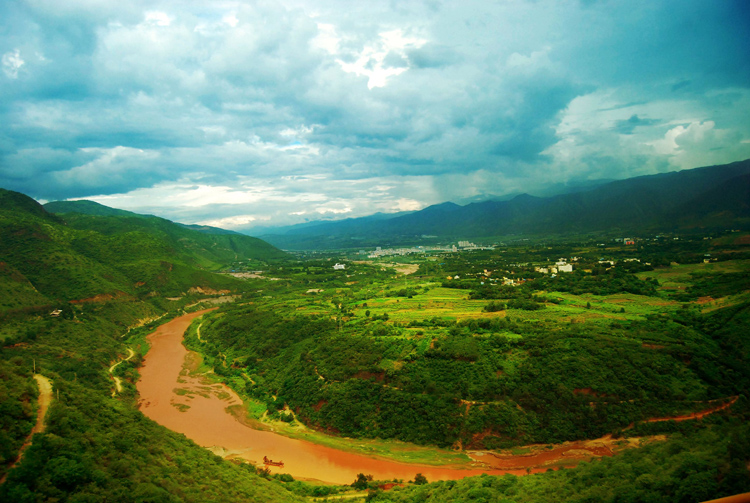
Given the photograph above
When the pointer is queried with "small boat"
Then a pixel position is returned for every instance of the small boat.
(270, 462)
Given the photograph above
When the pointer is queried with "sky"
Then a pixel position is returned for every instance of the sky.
(247, 114)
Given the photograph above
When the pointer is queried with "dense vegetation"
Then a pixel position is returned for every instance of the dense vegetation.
(97, 448)
(573, 356)
(499, 355)
(17, 417)
(698, 465)
(50, 260)
(488, 375)
(527, 382)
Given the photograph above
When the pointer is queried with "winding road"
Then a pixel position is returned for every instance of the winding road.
(44, 401)
(118, 381)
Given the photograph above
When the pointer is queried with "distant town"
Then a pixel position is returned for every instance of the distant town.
(389, 252)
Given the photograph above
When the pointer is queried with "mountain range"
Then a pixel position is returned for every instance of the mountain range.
(689, 200)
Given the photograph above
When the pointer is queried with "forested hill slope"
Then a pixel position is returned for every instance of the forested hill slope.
(212, 243)
(21, 203)
(85, 207)
(47, 259)
(697, 198)
(111, 286)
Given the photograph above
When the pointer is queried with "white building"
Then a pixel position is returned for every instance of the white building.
(565, 268)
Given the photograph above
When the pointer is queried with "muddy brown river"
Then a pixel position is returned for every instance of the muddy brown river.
(188, 405)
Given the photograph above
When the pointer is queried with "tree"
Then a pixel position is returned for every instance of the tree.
(361, 482)
(420, 479)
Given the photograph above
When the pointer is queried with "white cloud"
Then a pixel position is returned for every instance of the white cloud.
(405, 204)
(533, 62)
(327, 39)
(158, 18)
(681, 137)
(372, 60)
(12, 62)
(110, 166)
(231, 19)
(336, 211)
(260, 108)
(230, 222)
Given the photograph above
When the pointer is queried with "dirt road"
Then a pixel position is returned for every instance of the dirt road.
(118, 381)
(44, 401)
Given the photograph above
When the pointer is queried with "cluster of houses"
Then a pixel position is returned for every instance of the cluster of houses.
(462, 246)
(561, 265)
(468, 246)
(625, 241)
(380, 252)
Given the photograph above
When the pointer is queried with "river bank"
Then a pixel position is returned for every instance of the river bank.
(214, 416)
(189, 405)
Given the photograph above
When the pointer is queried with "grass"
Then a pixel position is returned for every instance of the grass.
(255, 416)
(394, 450)
(445, 303)
(454, 304)
(679, 276)
(605, 307)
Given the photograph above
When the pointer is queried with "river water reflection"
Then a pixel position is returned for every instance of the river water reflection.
(188, 405)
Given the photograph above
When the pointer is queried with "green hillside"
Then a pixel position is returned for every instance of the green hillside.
(87, 208)
(207, 247)
(645, 349)
(48, 259)
(634, 337)
(109, 274)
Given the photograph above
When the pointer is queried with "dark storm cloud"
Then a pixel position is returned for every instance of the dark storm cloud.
(432, 56)
(629, 125)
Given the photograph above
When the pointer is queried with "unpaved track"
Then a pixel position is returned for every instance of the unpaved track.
(118, 381)
(44, 400)
(696, 415)
(692, 415)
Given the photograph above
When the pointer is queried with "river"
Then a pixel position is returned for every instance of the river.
(188, 405)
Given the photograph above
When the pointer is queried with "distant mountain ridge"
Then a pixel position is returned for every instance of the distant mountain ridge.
(682, 200)
(326, 226)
